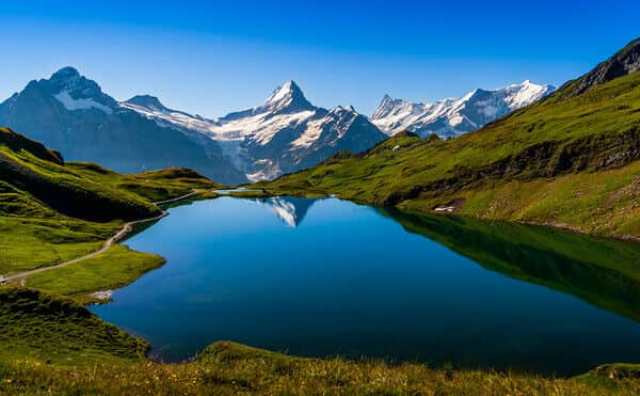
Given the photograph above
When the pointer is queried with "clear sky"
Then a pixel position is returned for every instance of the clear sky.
(213, 57)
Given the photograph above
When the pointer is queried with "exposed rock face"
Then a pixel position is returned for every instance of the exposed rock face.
(625, 61)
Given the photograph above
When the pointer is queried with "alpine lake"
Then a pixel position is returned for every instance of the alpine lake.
(325, 278)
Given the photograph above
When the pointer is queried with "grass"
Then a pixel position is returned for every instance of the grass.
(600, 203)
(67, 191)
(113, 269)
(227, 368)
(153, 186)
(37, 326)
(563, 161)
(51, 212)
(81, 190)
(29, 243)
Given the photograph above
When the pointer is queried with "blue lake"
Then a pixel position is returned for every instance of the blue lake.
(329, 277)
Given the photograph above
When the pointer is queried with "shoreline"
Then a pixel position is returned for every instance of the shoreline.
(121, 234)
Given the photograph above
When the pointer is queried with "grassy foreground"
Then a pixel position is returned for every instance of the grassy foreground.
(53, 346)
(231, 369)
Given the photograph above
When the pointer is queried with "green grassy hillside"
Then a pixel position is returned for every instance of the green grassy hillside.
(569, 160)
(64, 189)
(58, 331)
(52, 211)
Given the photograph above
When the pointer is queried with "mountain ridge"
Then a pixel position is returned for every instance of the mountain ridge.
(72, 115)
(284, 134)
(623, 62)
(452, 117)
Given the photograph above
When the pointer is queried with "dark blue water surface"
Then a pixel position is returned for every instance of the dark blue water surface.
(328, 277)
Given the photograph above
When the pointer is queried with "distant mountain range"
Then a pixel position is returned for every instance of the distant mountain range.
(71, 114)
(453, 117)
(283, 135)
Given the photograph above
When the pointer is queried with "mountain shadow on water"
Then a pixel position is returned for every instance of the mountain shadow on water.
(603, 272)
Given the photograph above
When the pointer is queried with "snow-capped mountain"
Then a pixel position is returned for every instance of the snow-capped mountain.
(452, 117)
(285, 134)
(71, 114)
(151, 107)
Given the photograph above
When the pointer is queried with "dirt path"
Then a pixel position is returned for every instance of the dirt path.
(126, 229)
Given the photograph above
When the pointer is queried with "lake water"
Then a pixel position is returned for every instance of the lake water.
(329, 277)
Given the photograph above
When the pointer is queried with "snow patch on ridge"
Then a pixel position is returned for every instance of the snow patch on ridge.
(72, 104)
(260, 128)
(167, 117)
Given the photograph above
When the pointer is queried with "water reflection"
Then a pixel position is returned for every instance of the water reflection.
(604, 272)
(291, 210)
(359, 281)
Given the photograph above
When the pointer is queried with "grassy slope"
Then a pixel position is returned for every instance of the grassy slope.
(562, 161)
(29, 243)
(65, 190)
(116, 268)
(51, 212)
(33, 325)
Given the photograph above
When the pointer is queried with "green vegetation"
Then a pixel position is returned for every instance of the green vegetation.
(565, 161)
(113, 269)
(36, 326)
(29, 243)
(154, 186)
(51, 212)
(65, 190)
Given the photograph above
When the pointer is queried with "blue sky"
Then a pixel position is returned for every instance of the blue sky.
(213, 57)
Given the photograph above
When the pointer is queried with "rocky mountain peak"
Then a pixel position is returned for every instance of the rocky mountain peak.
(389, 106)
(65, 74)
(77, 92)
(147, 101)
(70, 79)
(288, 96)
(343, 109)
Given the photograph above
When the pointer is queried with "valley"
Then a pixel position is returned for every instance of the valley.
(486, 244)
